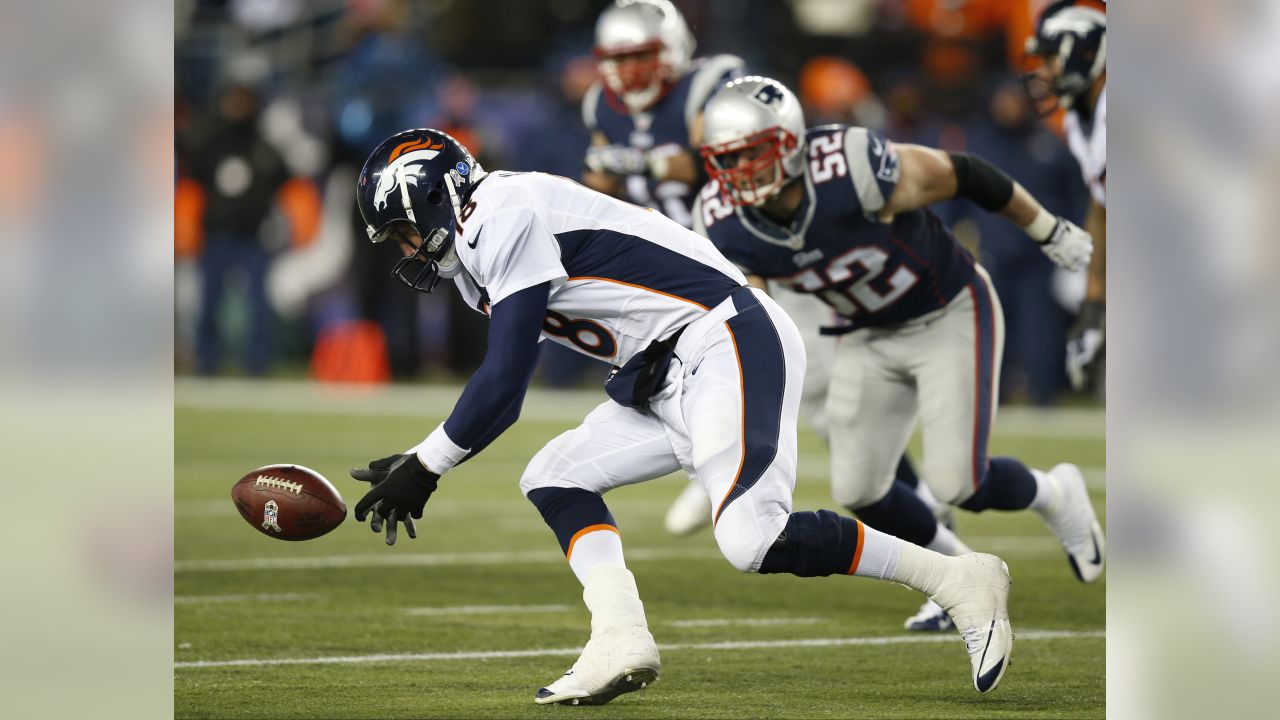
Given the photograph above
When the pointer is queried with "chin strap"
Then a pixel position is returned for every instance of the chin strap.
(453, 180)
(403, 182)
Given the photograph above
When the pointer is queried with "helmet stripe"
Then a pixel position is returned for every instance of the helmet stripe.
(405, 147)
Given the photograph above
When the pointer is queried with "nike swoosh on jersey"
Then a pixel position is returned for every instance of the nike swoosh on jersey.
(472, 243)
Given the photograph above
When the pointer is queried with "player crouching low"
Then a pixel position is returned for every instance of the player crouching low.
(708, 379)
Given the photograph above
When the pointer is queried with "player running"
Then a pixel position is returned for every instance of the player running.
(646, 125)
(707, 379)
(1071, 42)
(840, 212)
(645, 117)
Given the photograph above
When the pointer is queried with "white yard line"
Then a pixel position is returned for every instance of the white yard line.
(487, 609)
(1022, 636)
(1013, 544)
(422, 560)
(216, 599)
(750, 622)
(418, 400)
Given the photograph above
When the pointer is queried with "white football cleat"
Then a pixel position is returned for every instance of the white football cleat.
(690, 512)
(929, 618)
(621, 656)
(611, 664)
(1072, 520)
(976, 596)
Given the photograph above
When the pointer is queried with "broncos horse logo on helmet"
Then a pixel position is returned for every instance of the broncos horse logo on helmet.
(1071, 42)
(412, 190)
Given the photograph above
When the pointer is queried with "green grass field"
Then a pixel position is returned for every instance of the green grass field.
(481, 610)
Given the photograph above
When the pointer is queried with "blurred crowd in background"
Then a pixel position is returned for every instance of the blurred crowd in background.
(279, 101)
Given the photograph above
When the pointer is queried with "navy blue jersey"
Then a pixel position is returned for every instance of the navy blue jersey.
(667, 123)
(871, 272)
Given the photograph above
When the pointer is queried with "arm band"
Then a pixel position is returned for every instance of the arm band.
(977, 180)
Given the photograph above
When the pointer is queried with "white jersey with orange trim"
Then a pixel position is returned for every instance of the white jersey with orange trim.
(1088, 142)
(622, 276)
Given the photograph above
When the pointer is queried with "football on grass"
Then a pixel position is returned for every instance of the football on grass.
(289, 502)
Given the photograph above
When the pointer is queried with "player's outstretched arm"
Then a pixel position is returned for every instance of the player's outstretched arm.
(402, 484)
(928, 175)
(925, 176)
(491, 400)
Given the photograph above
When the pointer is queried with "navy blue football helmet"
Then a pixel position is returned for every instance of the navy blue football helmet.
(1071, 41)
(416, 183)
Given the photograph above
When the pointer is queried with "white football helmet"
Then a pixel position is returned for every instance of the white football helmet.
(753, 138)
(643, 48)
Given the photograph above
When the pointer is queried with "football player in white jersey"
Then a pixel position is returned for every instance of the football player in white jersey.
(707, 379)
(1071, 42)
(645, 118)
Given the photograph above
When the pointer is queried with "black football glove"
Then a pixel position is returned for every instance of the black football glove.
(1086, 345)
(401, 488)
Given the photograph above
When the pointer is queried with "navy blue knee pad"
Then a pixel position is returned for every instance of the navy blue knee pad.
(813, 544)
(1008, 485)
(568, 510)
(901, 513)
(907, 472)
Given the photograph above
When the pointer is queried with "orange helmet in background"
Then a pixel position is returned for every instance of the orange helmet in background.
(830, 85)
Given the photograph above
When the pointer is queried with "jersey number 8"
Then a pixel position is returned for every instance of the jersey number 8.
(588, 336)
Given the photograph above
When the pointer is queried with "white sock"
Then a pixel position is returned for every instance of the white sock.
(595, 546)
(947, 543)
(920, 569)
(1046, 490)
(877, 553)
(611, 595)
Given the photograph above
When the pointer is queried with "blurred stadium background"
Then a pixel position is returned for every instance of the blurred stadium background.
(273, 272)
(87, 119)
(277, 104)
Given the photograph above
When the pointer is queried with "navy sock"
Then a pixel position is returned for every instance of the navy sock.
(569, 510)
(901, 513)
(1007, 485)
(907, 473)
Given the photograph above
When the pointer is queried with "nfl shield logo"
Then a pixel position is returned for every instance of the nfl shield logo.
(270, 514)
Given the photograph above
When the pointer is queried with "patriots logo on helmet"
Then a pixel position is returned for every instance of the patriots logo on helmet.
(769, 94)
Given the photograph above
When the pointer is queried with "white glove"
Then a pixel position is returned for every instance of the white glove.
(1068, 246)
(616, 159)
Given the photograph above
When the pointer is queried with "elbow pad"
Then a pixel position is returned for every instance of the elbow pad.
(986, 185)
